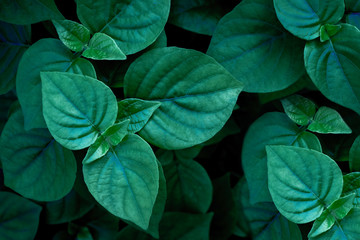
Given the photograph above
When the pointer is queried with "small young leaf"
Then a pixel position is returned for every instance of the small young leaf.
(328, 120)
(74, 35)
(352, 185)
(34, 164)
(103, 47)
(302, 182)
(84, 234)
(354, 156)
(129, 172)
(299, 109)
(304, 18)
(19, 217)
(138, 111)
(327, 31)
(66, 108)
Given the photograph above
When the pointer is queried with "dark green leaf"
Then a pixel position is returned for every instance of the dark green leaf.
(328, 120)
(302, 182)
(19, 217)
(352, 5)
(241, 197)
(197, 95)
(84, 234)
(45, 55)
(103, 47)
(354, 156)
(34, 164)
(73, 35)
(334, 66)
(352, 185)
(28, 11)
(129, 172)
(133, 24)
(14, 40)
(304, 18)
(137, 111)
(66, 108)
(252, 45)
(272, 128)
(299, 109)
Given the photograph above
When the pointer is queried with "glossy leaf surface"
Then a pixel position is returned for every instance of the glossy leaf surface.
(103, 47)
(299, 109)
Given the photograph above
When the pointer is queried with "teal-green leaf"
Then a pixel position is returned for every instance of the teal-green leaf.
(354, 156)
(346, 229)
(197, 95)
(72, 34)
(302, 182)
(272, 128)
(133, 24)
(253, 46)
(19, 217)
(189, 187)
(110, 137)
(28, 11)
(103, 47)
(353, 19)
(299, 109)
(196, 16)
(327, 120)
(14, 40)
(67, 99)
(128, 172)
(327, 31)
(334, 66)
(137, 111)
(45, 55)
(304, 18)
(34, 164)
(69, 208)
(352, 185)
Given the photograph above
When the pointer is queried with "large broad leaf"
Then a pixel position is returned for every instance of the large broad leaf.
(304, 18)
(302, 182)
(14, 40)
(251, 43)
(346, 229)
(19, 217)
(272, 128)
(299, 109)
(44, 55)
(28, 11)
(76, 108)
(352, 185)
(128, 172)
(196, 16)
(197, 95)
(334, 66)
(133, 24)
(34, 164)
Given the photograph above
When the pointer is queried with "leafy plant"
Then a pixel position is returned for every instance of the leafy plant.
(142, 119)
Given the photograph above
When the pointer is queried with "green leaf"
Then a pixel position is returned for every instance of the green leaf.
(129, 172)
(205, 13)
(353, 19)
(253, 46)
(14, 40)
(28, 11)
(66, 108)
(34, 164)
(69, 208)
(336, 211)
(111, 137)
(137, 111)
(45, 55)
(19, 217)
(131, 233)
(328, 120)
(133, 24)
(84, 234)
(352, 5)
(334, 66)
(103, 47)
(189, 187)
(72, 34)
(352, 185)
(299, 109)
(346, 229)
(272, 128)
(354, 156)
(302, 182)
(304, 18)
(197, 95)
(327, 31)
